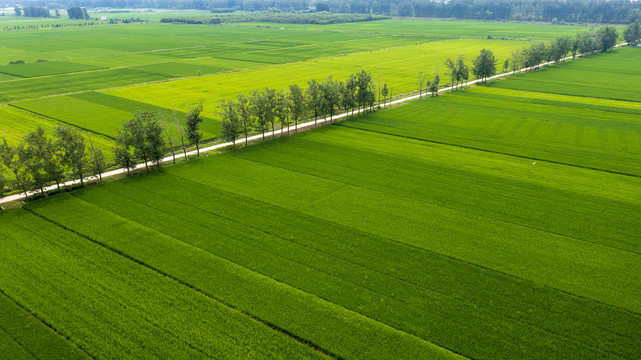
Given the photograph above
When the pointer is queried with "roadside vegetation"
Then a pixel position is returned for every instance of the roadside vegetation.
(145, 138)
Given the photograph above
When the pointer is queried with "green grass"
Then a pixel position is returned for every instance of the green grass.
(24, 336)
(112, 315)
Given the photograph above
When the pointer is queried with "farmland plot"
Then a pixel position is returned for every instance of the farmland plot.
(432, 230)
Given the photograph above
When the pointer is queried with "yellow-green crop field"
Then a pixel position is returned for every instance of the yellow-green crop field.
(397, 67)
(167, 68)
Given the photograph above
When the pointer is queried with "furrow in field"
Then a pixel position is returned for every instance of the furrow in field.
(254, 293)
(114, 307)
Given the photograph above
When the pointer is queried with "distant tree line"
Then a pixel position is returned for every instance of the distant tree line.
(572, 11)
(31, 11)
(78, 13)
(192, 20)
(300, 18)
(264, 108)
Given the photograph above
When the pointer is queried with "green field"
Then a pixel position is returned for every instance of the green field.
(499, 222)
(205, 65)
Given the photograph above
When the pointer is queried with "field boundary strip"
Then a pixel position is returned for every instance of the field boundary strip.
(301, 127)
(491, 151)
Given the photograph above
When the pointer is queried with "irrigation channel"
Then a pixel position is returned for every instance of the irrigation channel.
(301, 127)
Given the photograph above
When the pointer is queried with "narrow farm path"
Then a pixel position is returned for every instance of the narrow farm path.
(301, 127)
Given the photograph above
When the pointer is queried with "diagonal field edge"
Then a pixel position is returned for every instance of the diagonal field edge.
(431, 251)
(192, 287)
(48, 325)
(575, 340)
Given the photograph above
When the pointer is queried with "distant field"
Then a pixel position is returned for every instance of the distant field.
(82, 60)
(452, 28)
(397, 67)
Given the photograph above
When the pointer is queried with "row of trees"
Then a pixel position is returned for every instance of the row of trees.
(632, 33)
(31, 11)
(78, 13)
(39, 159)
(587, 42)
(265, 107)
(142, 138)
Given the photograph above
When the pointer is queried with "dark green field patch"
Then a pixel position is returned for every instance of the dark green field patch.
(45, 68)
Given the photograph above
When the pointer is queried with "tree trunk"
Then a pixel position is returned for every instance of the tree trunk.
(58, 184)
(82, 183)
(273, 131)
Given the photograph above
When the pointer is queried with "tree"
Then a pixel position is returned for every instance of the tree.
(72, 144)
(314, 98)
(608, 36)
(98, 164)
(33, 154)
(193, 120)
(462, 70)
(297, 103)
(259, 109)
(171, 144)
(384, 92)
(506, 65)
(143, 133)
(244, 114)
(586, 42)
(420, 79)
(270, 104)
(348, 93)
(78, 13)
(330, 92)
(365, 91)
(517, 59)
(282, 111)
(11, 161)
(534, 55)
(154, 139)
(564, 45)
(17, 11)
(2, 181)
(230, 120)
(484, 65)
(453, 68)
(632, 33)
(433, 85)
(124, 151)
(54, 165)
